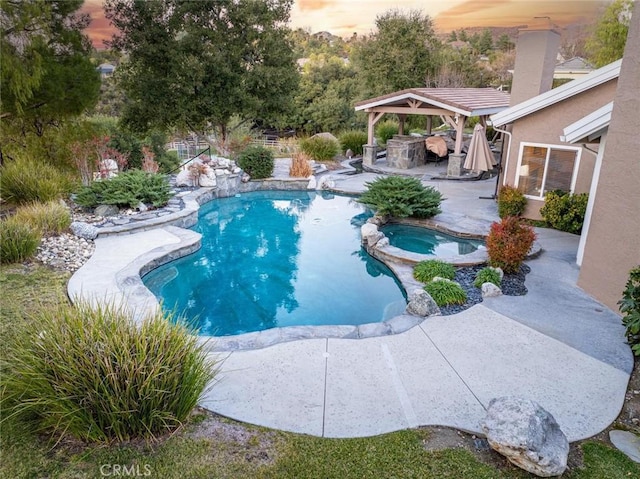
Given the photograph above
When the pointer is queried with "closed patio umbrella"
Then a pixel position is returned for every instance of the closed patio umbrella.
(479, 155)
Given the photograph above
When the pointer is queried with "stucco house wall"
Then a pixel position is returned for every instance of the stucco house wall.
(612, 248)
(545, 127)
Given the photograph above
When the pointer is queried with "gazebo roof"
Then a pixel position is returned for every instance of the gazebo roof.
(464, 101)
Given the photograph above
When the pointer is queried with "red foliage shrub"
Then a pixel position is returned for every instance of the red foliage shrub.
(508, 244)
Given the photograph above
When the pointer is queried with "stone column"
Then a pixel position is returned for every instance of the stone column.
(369, 154)
(454, 167)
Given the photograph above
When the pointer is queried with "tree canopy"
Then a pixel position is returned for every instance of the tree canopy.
(399, 55)
(196, 64)
(46, 71)
(607, 43)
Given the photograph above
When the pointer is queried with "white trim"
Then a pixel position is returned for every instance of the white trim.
(549, 147)
(588, 128)
(551, 97)
(592, 198)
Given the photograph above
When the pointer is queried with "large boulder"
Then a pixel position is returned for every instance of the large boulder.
(184, 178)
(421, 304)
(370, 234)
(208, 178)
(527, 435)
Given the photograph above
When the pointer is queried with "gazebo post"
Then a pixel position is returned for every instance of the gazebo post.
(370, 150)
(429, 124)
(401, 121)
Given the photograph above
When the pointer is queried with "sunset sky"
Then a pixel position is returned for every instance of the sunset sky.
(344, 17)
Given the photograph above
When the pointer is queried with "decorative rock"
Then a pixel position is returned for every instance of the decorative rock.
(142, 207)
(236, 170)
(490, 290)
(349, 153)
(106, 210)
(108, 168)
(208, 178)
(421, 304)
(382, 242)
(245, 178)
(370, 234)
(626, 442)
(184, 178)
(84, 230)
(325, 183)
(527, 435)
(313, 184)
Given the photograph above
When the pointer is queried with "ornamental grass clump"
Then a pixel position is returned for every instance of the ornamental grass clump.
(257, 162)
(25, 180)
(353, 140)
(425, 271)
(96, 375)
(300, 166)
(320, 148)
(385, 131)
(508, 244)
(511, 202)
(401, 197)
(49, 218)
(487, 275)
(446, 292)
(128, 189)
(630, 308)
(18, 241)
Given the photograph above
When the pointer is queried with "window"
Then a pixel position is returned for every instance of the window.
(543, 168)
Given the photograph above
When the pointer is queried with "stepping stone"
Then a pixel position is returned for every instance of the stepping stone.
(626, 442)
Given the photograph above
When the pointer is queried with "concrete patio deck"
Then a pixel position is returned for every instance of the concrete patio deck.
(556, 345)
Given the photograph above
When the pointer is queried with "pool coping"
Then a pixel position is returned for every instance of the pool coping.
(141, 301)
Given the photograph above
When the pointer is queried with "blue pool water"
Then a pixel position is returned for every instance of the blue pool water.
(427, 241)
(275, 258)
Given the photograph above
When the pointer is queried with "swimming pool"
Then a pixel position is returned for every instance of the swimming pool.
(428, 241)
(279, 258)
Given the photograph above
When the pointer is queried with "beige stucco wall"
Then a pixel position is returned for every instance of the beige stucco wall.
(545, 126)
(612, 248)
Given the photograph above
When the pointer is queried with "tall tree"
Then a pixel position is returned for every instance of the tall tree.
(607, 42)
(196, 64)
(398, 55)
(47, 74)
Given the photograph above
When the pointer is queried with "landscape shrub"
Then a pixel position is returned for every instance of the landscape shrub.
(508, 243)
(25, 180)
(48, 218)
(445, 293)
(400, 197)
(257, 162)
(385, 131)
(564, 211)
(487, 275)
(99, 376)
(127, 189)
(300, 166)
(425, 271)
(319, 148)
(353, 140)
(511, 202)
(630, 308)
(19, 240)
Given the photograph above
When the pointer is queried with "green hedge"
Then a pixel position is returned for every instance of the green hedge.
(257, 162)
(353, 140)
(564, 211)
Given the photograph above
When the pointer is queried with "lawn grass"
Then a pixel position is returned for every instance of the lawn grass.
(192, 454)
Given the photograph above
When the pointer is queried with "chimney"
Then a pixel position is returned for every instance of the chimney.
(536, 53)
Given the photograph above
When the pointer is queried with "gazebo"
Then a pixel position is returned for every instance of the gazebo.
(453, 105)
